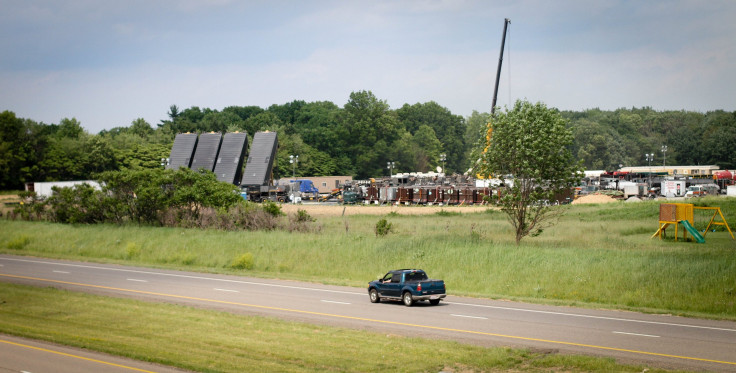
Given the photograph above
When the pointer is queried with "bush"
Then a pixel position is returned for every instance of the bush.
(447, 213)
(272, 208)
(302, 216)
(383, 227)
(132, 250)
(31, 207)
(79, 204)
(18, 243)
(244, 261)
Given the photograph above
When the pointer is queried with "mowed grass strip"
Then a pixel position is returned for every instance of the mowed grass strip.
(595, 256)
(210, 341)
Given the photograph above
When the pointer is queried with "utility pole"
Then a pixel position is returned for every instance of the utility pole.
(506, 23)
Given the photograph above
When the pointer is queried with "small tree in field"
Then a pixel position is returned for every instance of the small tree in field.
(529, 145)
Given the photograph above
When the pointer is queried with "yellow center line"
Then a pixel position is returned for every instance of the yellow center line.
(74, 356)
(377, 321)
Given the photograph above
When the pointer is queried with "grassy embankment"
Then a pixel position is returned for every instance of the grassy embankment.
(210, 341)
(596, 256)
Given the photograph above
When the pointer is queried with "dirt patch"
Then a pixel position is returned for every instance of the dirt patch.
(337, 210)
(594, 198)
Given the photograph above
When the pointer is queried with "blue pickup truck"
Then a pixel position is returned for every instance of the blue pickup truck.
(408, 286)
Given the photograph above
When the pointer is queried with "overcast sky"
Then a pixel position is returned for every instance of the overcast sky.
(107, 63)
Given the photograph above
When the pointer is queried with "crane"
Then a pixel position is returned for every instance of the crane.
(506, 23)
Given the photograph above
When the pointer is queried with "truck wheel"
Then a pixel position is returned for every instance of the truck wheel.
(373, 294)
(408, 299)
(434, 302)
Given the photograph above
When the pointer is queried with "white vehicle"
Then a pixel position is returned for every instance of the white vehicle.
(701, 190)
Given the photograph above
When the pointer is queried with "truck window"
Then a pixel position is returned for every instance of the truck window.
(416, 276)
(396, 277)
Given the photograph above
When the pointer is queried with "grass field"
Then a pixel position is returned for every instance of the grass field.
(596, 256)
(210, 341)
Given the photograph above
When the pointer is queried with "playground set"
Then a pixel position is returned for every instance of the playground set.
(683, 214)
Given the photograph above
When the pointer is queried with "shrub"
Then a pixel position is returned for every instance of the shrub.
(132, 250)
(383, 227)
(30, 207)
(18, 243)
(249, 216)
(79, 204)
(272, 208)
(244, 261)
(302, 216)
(447, 213)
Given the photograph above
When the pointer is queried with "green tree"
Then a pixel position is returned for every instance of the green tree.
(219, 122)
(70, 128)
(141, 128)
(368, 128)
(426, 148)
(530, 145)
(450, 129)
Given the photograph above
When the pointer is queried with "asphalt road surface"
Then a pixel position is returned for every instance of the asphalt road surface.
(657, 340)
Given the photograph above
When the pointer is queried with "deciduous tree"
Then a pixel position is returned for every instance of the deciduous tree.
(529, 145)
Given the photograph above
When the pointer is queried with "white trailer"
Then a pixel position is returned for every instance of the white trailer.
(43, 189)
(673, 188)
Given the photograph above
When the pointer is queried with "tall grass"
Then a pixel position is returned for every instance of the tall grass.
(596, 255)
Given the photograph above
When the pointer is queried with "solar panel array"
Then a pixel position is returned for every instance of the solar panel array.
(214, 152)
(229, 163)
(206, 153)
(260, 160)
(182, 151)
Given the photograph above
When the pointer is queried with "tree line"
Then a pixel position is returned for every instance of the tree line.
(357, 139)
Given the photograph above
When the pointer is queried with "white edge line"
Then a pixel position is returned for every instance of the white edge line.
(638, 335)
(62, 272)
(354, 293)
(136, 280)
(332, 301)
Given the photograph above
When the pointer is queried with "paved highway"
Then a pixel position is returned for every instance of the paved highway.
(659, 340)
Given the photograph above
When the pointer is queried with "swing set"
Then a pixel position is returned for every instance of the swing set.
(683, 214)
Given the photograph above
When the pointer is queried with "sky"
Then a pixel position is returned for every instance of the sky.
(107, 63)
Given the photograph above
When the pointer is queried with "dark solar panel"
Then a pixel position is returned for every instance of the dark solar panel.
(229, 163)
(181, 152)
(260, 160)
(206, 153)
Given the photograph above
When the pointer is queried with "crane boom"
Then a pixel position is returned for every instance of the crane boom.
(506, 22)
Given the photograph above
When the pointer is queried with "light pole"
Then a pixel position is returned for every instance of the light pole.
(165, 162)
(443, 158)
(293, 159)
(664, 156)
(390, 166)
(650, 158)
